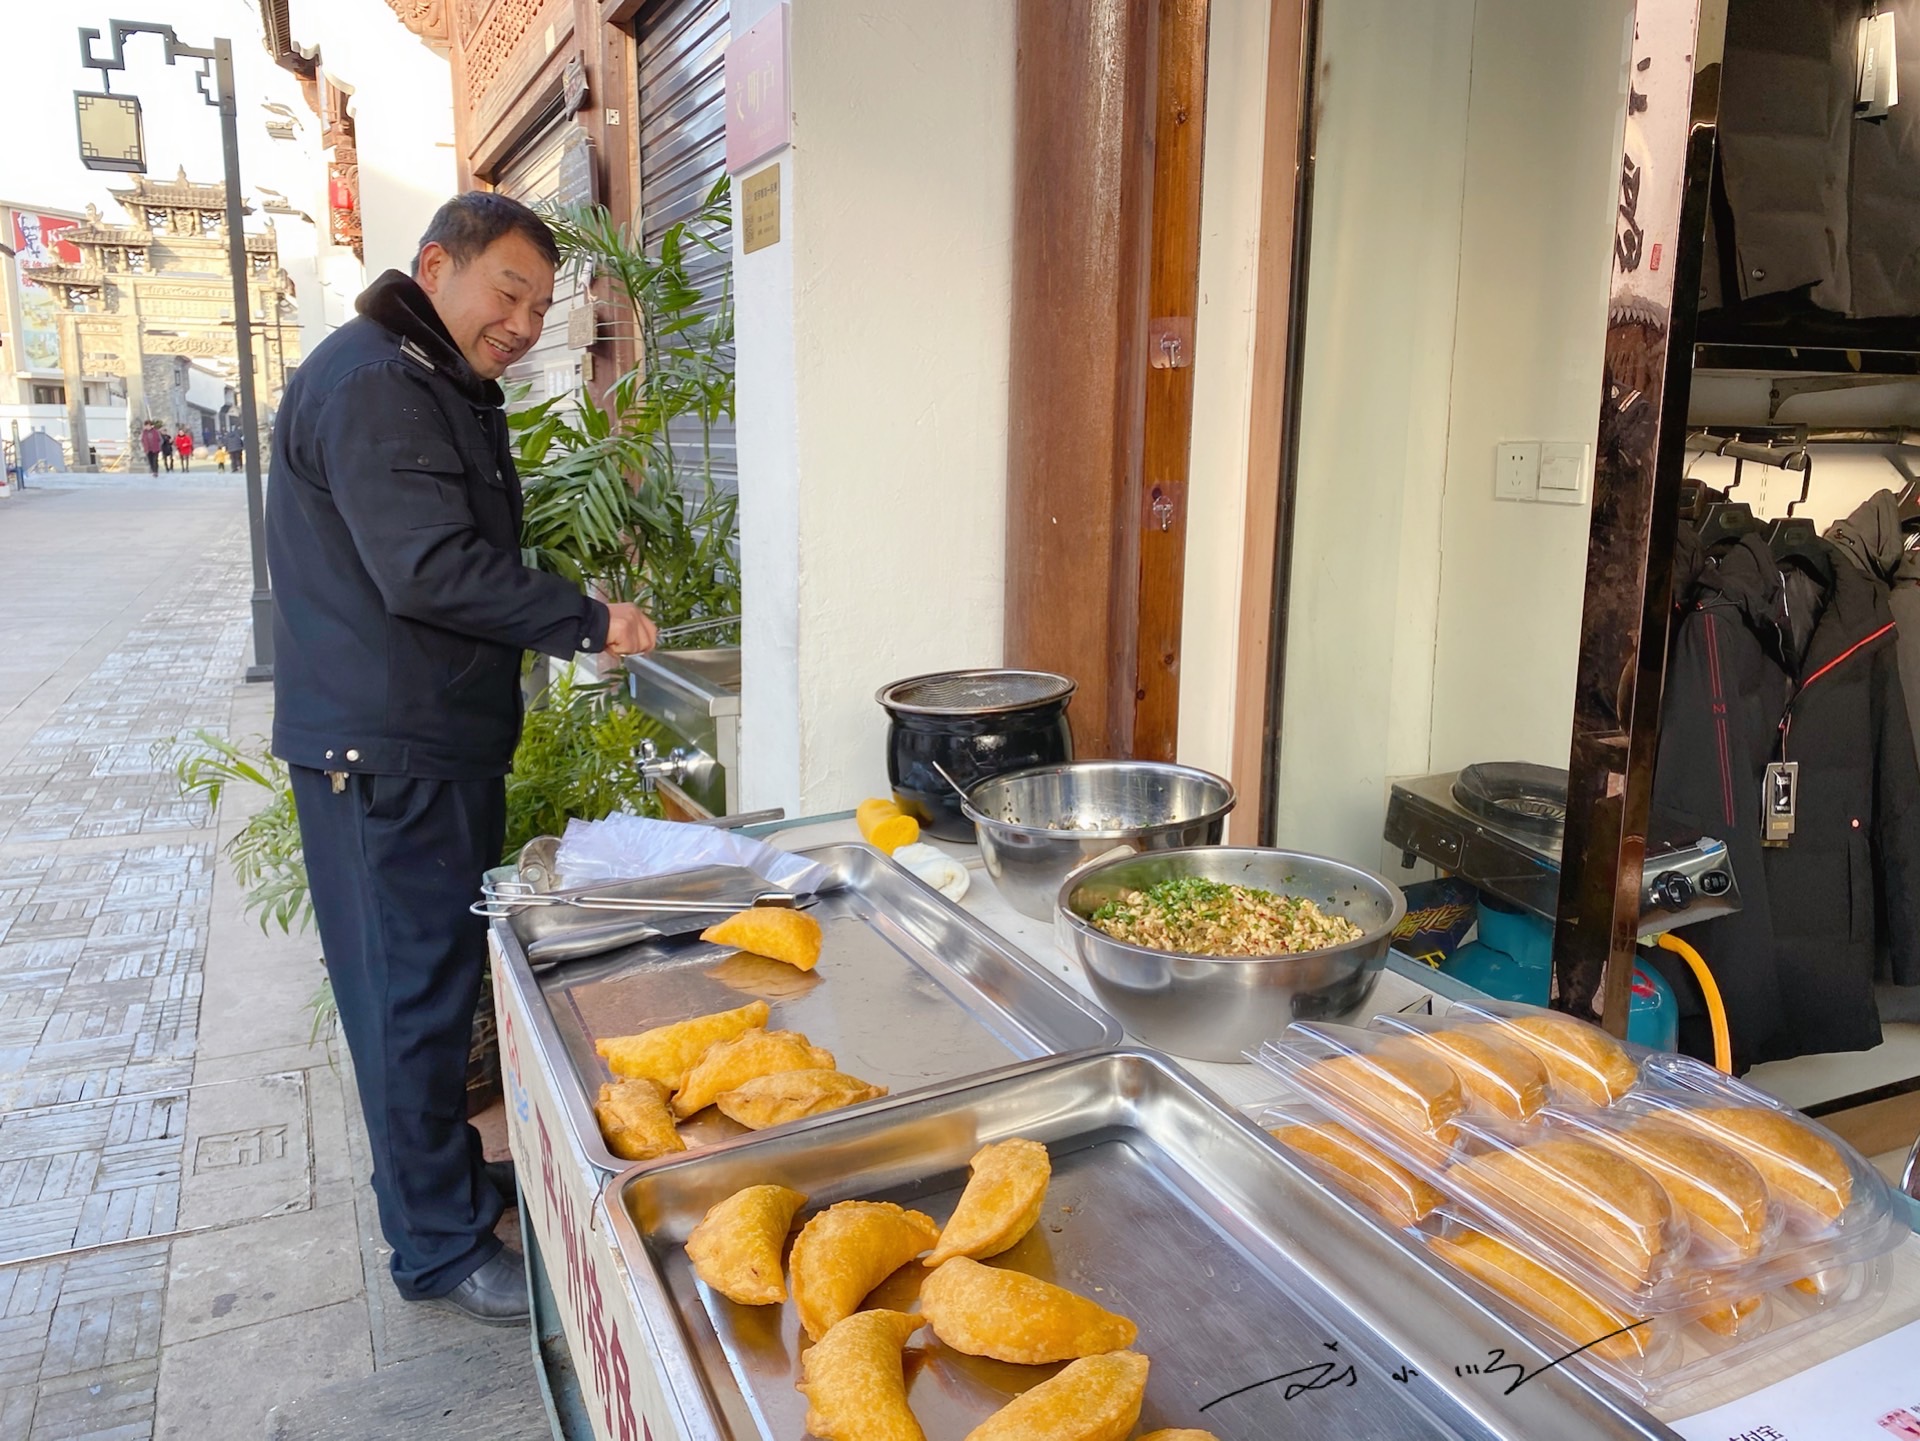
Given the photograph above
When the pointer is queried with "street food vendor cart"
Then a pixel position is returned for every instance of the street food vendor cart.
(1262, 1300)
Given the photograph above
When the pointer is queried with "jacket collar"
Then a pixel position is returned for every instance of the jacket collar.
(397, 303)
(1747, 578)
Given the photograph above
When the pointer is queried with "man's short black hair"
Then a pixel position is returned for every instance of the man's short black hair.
(469, 223)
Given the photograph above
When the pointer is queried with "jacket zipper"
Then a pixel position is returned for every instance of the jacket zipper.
(1786, 716)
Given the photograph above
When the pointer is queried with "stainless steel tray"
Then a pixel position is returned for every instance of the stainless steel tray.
(910, 991)
(1165, 1206)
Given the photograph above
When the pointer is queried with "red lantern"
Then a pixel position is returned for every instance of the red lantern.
(339, 194)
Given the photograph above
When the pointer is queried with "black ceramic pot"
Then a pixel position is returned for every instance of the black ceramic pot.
(974, 724)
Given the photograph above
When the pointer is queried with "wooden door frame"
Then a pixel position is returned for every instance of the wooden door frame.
(1279, 327)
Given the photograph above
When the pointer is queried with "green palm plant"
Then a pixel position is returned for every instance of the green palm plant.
(615, 499)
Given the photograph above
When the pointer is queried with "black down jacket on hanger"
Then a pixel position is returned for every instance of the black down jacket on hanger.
(1804, 665)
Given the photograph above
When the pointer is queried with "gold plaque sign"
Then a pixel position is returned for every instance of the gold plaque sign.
(760, 215)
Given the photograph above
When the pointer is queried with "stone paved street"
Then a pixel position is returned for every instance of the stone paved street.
(186, 1238)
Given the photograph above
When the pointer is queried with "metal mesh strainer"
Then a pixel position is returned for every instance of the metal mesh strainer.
(975, 692)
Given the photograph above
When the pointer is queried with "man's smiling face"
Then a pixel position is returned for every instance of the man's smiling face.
(494, 305)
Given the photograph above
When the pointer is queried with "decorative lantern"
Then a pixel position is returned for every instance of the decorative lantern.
(111, 134)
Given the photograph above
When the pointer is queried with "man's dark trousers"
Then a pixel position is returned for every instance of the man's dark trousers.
(394, 862)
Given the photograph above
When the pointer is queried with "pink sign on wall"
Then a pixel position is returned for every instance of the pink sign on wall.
(758, 119)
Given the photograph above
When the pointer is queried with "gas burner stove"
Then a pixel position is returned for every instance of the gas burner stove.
(1499, 827)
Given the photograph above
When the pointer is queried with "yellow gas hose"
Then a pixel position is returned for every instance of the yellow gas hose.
(1716, 1009)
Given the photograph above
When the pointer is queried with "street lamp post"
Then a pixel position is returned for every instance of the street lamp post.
(109, 140)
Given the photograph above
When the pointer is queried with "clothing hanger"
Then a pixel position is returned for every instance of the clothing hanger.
(1727, 520)
(1796, 537)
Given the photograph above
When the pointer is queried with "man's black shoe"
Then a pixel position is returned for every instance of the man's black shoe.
(500, 1174)
(494, 1295)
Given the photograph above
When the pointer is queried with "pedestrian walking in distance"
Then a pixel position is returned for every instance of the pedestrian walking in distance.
(166, 447)
(150, 444)
(220, 457)
(402, 612)
(183, 447)
(236, 451)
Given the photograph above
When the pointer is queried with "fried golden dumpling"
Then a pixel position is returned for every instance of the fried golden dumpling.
(1722, 1194)
(1011, 1316)
(1095, 1399)
(1004, 1194)
(1497, 1071)
(1737, 1318)
(1544, 1294)
(1618, 1213)
(729, 1065)
(847, 1250)
(1581, 1059)
(736, 1247)
(1363, 1171)
(1798, 1163)
(786, 935)
(855, 1385)
(666, 1053)
(788, 1095)
(634, 1120)
(1410, 1093)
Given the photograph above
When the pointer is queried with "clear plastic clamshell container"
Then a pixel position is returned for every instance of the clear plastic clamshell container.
(1686, 1192)
(1584, 1065)
(1652, 1355)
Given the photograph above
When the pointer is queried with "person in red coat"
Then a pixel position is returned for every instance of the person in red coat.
(150, 444)
(183, 447)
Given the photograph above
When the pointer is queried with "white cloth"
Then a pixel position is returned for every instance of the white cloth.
(624, 847)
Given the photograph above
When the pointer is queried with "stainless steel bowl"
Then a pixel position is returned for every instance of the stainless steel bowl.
(1216, 1008)
(1036, 826)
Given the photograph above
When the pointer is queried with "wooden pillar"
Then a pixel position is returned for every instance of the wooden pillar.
(1082, 222)
(1659, 239)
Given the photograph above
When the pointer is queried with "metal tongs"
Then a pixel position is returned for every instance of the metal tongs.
(508, 898)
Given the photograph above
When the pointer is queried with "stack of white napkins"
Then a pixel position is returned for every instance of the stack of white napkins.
(624, 847)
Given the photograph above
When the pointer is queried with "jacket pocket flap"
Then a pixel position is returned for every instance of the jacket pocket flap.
(426, 453)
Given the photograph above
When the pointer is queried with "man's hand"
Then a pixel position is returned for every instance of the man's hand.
(629, 630)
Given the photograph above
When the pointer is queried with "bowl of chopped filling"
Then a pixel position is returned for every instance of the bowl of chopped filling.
(1207, 952)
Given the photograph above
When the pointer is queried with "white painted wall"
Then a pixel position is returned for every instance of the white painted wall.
(402, 110)
(1543, 146)
(873, 344)
(1392, 156)
(1222, 379)
(1457, 297)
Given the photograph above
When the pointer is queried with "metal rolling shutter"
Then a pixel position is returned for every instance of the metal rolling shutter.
(683, 117)
(532, 175)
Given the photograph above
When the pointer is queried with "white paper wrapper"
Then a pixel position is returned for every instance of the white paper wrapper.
(624, 847)
(938, 869)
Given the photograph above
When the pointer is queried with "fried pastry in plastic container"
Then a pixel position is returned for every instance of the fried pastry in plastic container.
(1583, 1062)
(847, 1250)
(728, 1065)
(1005, 1191)
(1499, 1075)
(1359, 1168)
(1097, 1398)
(1737, 1320)
(1375, 1080)
(736, 1247)
(788, 1095)
(666, 1053)
(1805, 1170)
(1603, 1208)
(634, 1120)
(1722, 1195)
(777, 931)
(1011, 1316)
(855, 1383)
(1567, 1309)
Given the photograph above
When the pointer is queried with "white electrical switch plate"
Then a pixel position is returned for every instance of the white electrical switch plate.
(1516, 470)
(1564, 468)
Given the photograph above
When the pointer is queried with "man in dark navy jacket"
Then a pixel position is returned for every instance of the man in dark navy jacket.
(393, 533)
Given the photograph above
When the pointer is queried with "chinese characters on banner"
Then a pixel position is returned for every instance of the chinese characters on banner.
(36, 238)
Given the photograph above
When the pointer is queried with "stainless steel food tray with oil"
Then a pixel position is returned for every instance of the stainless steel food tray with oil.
(1266, 1305)
(910, 990)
